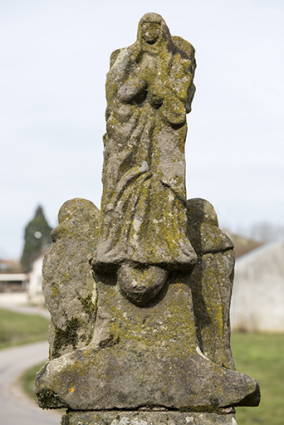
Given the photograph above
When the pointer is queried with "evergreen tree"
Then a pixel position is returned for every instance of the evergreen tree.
(37, 237)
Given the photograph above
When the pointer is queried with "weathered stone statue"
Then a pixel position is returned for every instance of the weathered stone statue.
(149, 90)
(139, 298)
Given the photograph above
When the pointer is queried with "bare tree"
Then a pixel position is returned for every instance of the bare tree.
(265, 232)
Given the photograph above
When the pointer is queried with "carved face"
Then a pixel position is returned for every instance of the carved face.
(150, 32)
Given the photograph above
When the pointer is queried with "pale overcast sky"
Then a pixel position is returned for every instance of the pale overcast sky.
(54, 56)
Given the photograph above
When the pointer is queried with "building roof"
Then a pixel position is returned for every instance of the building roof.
(258, 252)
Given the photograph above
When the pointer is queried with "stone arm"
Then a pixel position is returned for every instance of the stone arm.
(121, 65)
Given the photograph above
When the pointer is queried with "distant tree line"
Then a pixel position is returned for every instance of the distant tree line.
(266, 232)
(37, 238)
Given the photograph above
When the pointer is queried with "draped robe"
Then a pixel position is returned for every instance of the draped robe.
(149, 90)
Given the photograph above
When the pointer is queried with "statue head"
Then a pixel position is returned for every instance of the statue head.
(153, 32)
(150, 32)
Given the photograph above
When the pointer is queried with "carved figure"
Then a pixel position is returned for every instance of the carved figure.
(147, 334)
(70, 292)
(211, 282)
(143, 229)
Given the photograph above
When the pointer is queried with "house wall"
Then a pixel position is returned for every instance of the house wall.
(35, 282)
(258, 293)
(13, 298)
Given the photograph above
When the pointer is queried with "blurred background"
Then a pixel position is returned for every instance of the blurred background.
(54, 57)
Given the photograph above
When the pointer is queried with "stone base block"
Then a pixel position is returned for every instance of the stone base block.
(147, 418)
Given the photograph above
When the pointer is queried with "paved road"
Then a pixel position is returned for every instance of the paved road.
(16, 408)
(26, 310)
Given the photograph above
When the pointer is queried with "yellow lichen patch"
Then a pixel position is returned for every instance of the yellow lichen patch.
(55, 290)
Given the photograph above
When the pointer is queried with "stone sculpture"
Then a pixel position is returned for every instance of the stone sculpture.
(146, 335)
(69, 288)
(149, 90)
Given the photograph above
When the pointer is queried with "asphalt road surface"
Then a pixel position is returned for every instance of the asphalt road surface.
(26, 310)
(15, 407)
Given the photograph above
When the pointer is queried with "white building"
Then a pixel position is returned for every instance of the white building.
(258, 293)
(13, 288)
(22, 288)
(35, 282)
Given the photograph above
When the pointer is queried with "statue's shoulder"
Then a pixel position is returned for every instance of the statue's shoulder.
(184, 45)
(187, 48)
(113, 56)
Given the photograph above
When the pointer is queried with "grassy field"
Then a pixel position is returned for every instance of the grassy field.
(18, 329)
(262, 357)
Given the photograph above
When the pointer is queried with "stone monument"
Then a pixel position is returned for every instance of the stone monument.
(139, 293)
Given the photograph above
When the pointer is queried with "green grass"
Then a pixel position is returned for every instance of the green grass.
(262, 357)
(18, 329)
(27, 380)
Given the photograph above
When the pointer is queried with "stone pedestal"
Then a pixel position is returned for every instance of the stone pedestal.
(148, 418)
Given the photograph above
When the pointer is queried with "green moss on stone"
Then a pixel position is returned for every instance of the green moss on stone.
(88, 305)
(64, 338)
